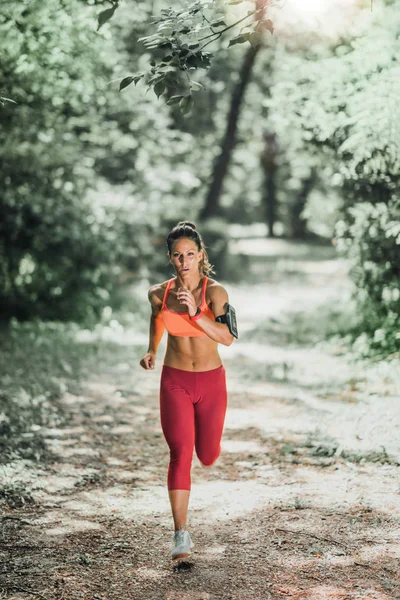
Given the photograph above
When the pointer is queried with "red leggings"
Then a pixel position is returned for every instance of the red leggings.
(192, 408)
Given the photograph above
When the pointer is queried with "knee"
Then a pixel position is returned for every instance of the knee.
(181, 454)
(208, 462)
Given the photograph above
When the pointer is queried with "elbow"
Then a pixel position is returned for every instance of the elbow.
(229, 340)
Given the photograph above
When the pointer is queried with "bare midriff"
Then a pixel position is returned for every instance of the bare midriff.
(192, 353)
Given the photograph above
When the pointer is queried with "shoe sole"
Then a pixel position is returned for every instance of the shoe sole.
(182, 555)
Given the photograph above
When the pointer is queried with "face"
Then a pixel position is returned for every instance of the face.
(185, 256)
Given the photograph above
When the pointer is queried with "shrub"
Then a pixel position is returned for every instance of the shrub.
(370, 236)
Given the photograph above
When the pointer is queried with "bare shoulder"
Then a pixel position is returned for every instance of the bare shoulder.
(156, 293)
(216, 291)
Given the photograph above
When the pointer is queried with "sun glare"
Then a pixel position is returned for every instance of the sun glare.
(327, 17)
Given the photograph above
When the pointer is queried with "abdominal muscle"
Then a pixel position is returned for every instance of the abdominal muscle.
(192, 353)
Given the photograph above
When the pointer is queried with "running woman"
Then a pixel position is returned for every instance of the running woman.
(194, 309)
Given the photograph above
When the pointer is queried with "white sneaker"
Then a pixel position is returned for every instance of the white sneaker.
(182, 544)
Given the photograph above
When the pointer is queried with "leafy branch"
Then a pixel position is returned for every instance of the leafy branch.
(178, 49)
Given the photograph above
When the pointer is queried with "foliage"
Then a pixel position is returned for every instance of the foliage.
(341, 108)
(68, 238)
(346, 103)
(15, 493)
(39, 362)
(53, 247)
(62, 252)
(370, 236)
(176, 187)
(92, 176)
(178, 46)
(307, 328)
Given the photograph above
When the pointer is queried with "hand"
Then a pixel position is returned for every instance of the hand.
(148, 361)
(186, 297)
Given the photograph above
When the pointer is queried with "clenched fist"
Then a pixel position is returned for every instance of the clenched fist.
(148, 361)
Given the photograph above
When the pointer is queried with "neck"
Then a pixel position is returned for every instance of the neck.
(190, 282)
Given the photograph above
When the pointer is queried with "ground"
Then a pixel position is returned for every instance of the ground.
(303, 503)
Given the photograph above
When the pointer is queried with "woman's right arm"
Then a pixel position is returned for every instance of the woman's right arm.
(156, 329)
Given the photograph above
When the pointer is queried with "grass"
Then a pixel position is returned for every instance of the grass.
(40, 362)
(308, 328)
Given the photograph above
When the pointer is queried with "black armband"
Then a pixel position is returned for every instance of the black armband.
(230, 319)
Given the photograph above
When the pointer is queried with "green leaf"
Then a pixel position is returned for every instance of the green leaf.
(219, 23)
(186, 105)
(165, 44)
(196, 85)
(159, 88)
(166, 68)
(125, 82)
(148, 37)
(174, 100)
(106, 15)
(240, 39)
(156, 79)
(255, 38)
(3, 100)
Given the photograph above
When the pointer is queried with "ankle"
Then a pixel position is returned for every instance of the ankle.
(182, 527)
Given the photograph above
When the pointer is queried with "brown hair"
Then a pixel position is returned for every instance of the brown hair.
(187, 229)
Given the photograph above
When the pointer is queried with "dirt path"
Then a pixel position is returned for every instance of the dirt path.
(304, 502)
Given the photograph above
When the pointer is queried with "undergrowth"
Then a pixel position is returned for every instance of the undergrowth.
(341, 323)
(40, 362)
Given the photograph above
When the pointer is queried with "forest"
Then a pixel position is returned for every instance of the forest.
(275, 128)
(92, 175)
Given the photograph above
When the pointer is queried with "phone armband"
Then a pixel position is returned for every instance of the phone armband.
(230, 319)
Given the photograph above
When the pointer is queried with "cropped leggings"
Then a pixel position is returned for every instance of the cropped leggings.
(192, 409)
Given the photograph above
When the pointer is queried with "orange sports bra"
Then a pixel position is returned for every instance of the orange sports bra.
(180, 324)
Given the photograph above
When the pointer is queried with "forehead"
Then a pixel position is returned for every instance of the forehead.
(183, 245)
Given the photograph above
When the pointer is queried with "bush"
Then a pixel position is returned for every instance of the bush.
(56, 258)
(370, 236)
(39, 363)
(56, 249)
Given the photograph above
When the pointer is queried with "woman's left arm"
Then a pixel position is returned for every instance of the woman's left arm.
(219, 332)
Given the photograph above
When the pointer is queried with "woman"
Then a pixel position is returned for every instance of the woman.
(193, 396)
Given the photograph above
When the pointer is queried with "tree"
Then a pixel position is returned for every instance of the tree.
(55, 250)
(211, 206)
(344, 106)
(270, 167)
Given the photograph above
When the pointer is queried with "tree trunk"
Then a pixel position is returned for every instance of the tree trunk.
(211, 207)
(268, 161)
(270, 202)
(298, 223)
